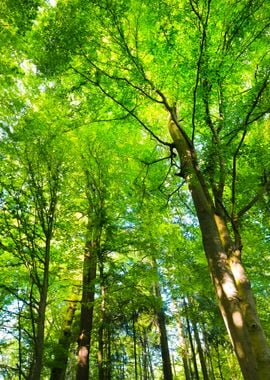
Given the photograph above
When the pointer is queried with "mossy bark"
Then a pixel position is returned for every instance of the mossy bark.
(62, 349)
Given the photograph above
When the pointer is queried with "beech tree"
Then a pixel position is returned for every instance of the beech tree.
(175, 94)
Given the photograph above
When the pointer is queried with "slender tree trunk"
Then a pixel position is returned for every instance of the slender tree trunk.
(165, 353)
(20, 365)
(108, 354)
(135, 346)
(194, 360)
(102, 365)
(144, 355)
(62, 349)
(183, 348)
(209, 357)
(243, 336)
(101, 369)
(149, 359)
(219, 363)
(200, 351)
(161, 319)
(87, 307)
(39, 338)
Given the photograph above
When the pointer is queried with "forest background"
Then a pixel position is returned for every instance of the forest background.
(134, 179)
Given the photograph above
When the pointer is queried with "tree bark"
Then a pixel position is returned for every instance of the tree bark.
(134, 335)
(102, 369)
(61, 351)
(246, 298)
(200, 351)
(161, 319)
(244, 344)
(39, 337)
(183, 347)
(87, 308)
(194, 360)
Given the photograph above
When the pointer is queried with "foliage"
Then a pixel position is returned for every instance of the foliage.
(86, 92)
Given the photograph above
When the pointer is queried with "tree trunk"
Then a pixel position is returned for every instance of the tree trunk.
(161, 319)
(61, 351)
(252, 366)
(200, 351)
(39, 338)
(246, 298)
(194, 360)
(108, 354)
(134, 316)
(183, 347)
(87, 308)
(102, 368)
(101, 372)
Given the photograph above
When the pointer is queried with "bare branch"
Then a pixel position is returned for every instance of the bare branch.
(200, 59)
(252, 202)
(245, 124)
(155, 161)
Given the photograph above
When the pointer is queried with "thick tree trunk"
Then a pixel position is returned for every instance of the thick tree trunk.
(251, 318)
(246, 298)
(61, 352)
(245, 346)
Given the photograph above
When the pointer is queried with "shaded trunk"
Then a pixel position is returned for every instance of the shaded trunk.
(102, 368)
(87, 308)
(20, 365)
(108, 354)
(183, 347)
(252, 366)
(161, 320)
(39, 337)
(62, 349)
(219, 363)
(143, 339)
(101, 372)
(194, 360)
(200, 351)
(149, 359)
(135, 346)
(165, 353)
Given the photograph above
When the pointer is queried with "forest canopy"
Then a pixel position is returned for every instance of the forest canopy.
(134, 189)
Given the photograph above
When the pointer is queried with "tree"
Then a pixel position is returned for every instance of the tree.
(217, 48)
(184, 87)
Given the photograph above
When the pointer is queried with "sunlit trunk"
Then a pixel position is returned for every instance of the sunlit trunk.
(246, 298)
(218, 262)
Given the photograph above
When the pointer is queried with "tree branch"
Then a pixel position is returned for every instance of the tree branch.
(245, 125)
